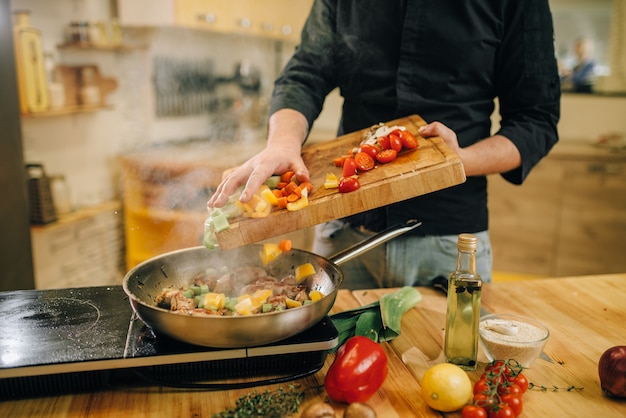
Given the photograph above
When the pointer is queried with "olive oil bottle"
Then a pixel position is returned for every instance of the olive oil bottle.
(463, 311)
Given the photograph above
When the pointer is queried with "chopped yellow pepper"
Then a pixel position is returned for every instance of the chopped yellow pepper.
(269, 253)
(300, 203)
(267, 194)
(214, 301)
(331, 182)
(262, 295)
(315, 295)
(303, 271)
(244, 307)
(292, 303)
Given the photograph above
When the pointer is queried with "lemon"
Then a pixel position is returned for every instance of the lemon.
(446, 387)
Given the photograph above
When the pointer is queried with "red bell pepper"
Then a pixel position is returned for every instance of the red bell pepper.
(358, 371)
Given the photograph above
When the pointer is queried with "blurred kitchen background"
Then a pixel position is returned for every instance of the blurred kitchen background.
(138, 106)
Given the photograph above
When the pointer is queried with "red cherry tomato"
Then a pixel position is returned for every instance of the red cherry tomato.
(521, 381)
(408, 139)
(511, 389)
(349, 167)
(395, 143)
(473, 411)
(383, 141)
(369, 149)
(515, 402)
(481, 386)
(364, 162)
(386, 155)
(483, 400)
(502, 411)
(348, 184)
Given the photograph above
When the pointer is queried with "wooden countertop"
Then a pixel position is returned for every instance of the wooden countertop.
(586, 315)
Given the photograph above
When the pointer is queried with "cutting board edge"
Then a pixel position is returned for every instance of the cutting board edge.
(338, 206)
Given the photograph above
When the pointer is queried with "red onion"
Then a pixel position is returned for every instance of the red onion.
(612, 371)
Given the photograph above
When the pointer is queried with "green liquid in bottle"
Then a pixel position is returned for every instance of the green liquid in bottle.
(461, 340)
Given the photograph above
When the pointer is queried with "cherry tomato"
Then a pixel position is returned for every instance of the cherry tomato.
(348, 184)
(483, 400)
(502, 411)
(386, 156)
(473, 411)
(515, 402)
(495, 366)
(511, 389)
(369, 149)
(395, 143)
(364, 161)
(481, 386)
(349, 167)
(409, 140)
(521, 381)
(383, 141)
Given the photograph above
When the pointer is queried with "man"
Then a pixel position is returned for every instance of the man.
(445, 60)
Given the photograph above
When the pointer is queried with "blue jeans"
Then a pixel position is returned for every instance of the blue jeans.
(407, 260)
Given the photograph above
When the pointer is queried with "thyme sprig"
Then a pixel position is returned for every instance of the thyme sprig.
(278, 403)
(542, 388)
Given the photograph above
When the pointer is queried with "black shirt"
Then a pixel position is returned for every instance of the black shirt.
(445, 60)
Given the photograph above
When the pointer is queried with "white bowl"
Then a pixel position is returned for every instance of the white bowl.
(508, 336)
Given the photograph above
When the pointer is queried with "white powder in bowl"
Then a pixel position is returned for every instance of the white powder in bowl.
(525, 345)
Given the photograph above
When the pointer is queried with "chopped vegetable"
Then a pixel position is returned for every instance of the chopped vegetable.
(386, 156)
(303, 271)
(331, 182)
(348, 184)
(291, 303)
(269, 253)
(285, 245)
(358, 371)
(364, 161)
(300, 203)
(394, 305)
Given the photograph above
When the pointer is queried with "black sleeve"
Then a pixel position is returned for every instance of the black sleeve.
(528, 84)
(309, 75)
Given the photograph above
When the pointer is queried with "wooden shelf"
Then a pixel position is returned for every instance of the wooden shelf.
(102, 47)
(67, 110)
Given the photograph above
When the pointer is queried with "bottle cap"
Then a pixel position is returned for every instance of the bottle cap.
(467, 242)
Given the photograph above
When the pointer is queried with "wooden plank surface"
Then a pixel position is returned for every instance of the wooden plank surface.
(585, 316)
(430, 167)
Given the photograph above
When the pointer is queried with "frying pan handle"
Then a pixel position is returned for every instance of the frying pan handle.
(374, 241)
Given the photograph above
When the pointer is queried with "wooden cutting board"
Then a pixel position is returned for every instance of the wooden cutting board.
(430, 167)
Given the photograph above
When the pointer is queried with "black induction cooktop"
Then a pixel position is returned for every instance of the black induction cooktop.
(69, 340)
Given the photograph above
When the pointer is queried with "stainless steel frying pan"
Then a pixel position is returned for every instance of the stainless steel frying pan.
(176, 269)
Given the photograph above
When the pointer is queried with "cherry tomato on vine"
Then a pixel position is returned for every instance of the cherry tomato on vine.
(521, 381)
(502, 411)
(349, 167)
(386, 155)
(512, 389)
(483, 400)
(481, 386)
(515, 402)
(348, 184)
(473, 411)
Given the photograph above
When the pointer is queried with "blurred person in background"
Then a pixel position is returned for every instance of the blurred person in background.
(581, 77)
